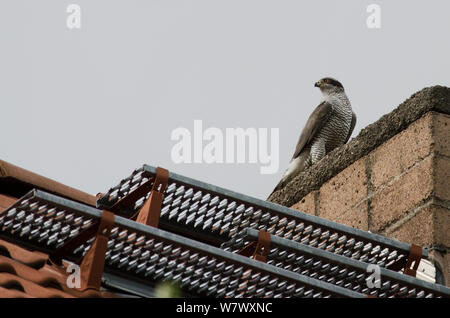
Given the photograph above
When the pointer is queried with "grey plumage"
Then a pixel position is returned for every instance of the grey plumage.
(329, 126)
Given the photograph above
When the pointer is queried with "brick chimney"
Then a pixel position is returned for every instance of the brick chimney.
(392, 179)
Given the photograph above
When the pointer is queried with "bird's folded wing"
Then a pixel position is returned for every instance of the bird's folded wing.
(318, 118)
(352, 126)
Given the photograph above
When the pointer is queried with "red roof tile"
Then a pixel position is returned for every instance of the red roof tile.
(16, 181)
(6, 201)
(25, 273)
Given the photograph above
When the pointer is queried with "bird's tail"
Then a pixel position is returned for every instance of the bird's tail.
(296, 166)
(280, 185)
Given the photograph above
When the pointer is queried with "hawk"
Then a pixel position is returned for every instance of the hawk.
(329, 126)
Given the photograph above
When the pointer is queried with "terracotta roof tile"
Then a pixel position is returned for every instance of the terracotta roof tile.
(11, 293)
(16, 181)
(32, 259)
(25, 273)
(11, 281)
(6, 201)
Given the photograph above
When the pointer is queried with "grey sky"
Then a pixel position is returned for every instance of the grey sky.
(86, 107)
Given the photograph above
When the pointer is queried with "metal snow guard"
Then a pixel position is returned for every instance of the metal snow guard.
(139, 255)
(339, 270)
(215, 215)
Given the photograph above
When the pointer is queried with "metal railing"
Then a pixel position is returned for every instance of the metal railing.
(215, 215)
(342, 271)
(144, 255)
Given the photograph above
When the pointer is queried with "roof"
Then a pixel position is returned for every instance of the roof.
(16, 182)
(25, 274)
(338, 269)
(221, 218)
(435, 98)
(215, 215)
(145, 255)
(202, 242)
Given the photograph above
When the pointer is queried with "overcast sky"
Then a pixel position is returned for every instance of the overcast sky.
(87, 106)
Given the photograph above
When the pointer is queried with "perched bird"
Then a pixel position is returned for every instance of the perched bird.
(329, 126)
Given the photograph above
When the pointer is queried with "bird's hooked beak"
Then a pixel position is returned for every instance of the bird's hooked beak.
(317, 84)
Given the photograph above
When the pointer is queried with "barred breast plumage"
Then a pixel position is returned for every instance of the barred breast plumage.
(335, 131)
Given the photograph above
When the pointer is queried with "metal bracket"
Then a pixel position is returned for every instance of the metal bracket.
(128, 200)
(93, 262)
(415, 255)
(151, 210)
(258, 250)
